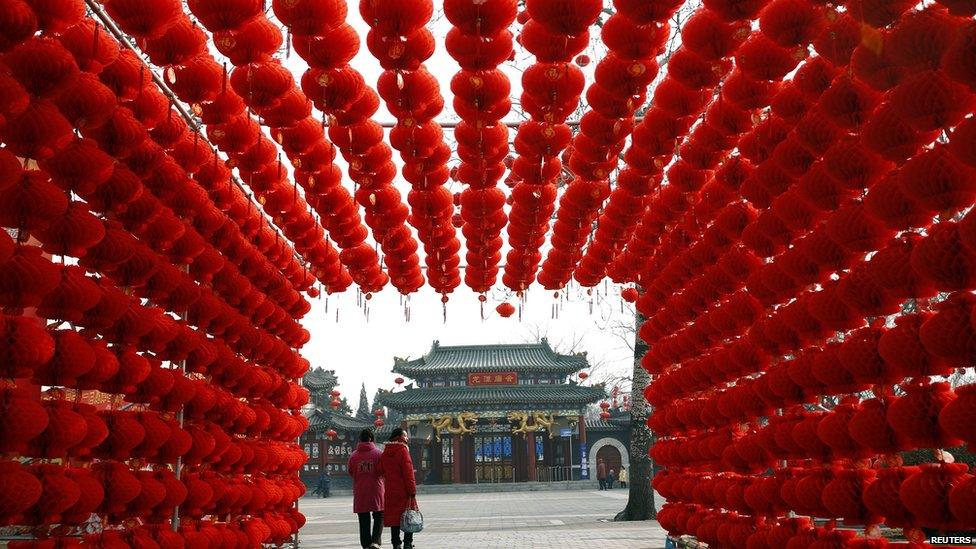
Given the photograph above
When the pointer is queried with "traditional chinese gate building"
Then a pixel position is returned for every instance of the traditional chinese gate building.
(326, 453)
(496, 413)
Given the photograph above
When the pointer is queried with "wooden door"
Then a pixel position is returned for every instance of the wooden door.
(610, 456)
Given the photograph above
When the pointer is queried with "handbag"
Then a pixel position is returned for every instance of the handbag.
(412, 520)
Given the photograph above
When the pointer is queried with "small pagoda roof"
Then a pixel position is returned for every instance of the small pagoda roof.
(322, 419)
(320, 378)
(531, 396)
(518, 357)
(612, 424)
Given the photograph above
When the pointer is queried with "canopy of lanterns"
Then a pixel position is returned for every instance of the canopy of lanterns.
(807, 270)
(313, 221)
(791, 193)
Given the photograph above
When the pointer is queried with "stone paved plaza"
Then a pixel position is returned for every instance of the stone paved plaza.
(558, 519)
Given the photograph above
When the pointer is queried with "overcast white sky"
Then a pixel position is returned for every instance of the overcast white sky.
(362, 351)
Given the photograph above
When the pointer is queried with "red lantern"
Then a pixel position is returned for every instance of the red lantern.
(331, 433)
(379, 412)
(378, 423)
(629, 295)
(145, 19)
(604, 415)
(399, 380)
(605, 405)
(926, 493)
(915, 416)
(505, 310)
(957, 418)
(335, 403)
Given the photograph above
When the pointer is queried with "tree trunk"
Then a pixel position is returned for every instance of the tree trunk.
(640, 503)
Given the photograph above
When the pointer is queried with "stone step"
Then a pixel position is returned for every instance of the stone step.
(494, 487)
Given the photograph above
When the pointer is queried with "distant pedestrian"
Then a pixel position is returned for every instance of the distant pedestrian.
(324, 485)
(611, 476)
(400, 486)
(623, 477)
(367, 490)
(601, 473)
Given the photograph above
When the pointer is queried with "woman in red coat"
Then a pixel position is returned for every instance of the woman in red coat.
(399, 485)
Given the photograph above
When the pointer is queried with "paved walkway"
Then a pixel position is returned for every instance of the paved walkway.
(556, 519)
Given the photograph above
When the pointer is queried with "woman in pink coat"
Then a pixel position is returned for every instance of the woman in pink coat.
(367, 490)
(401, 488)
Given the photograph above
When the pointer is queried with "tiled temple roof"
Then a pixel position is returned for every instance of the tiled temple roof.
(319, 378)
(322, 419)
(542, 396)
(520, 357)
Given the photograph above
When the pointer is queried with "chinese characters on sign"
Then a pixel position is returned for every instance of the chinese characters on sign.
(584, 465)
(493, 378)
(336, 457)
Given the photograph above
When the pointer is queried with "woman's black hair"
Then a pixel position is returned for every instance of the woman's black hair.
(397, 433)
(366, 435)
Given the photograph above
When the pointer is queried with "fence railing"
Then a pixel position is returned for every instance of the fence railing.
(494, 474)
(554, 473)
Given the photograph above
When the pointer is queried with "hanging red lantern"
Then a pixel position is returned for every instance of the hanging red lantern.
(37, 131)
(43, 66)
(956, 417)
(399, 380)
(378, 422)
(335, 403)
(604, 415)
(24, 418)
(144, 19)
(629, 295)
(926, 493)
(505, 310)
(605, 405)
(915, 416)
(331, 433)
(17, 23)
(379, 412)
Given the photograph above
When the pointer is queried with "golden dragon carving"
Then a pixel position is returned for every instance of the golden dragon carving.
(465, 424)
(540, 421)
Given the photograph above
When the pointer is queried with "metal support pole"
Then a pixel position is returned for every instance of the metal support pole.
(178, 467)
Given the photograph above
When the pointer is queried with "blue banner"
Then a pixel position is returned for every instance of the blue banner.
(584, 466)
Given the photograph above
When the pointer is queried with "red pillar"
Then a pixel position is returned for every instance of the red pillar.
(582, 430)
(530, 456)
(456, 459)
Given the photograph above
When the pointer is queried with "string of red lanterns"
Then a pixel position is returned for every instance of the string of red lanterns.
(327, 43)
(832, 135)
(701, 61)
(196, 77)
(124, 341)
(262, 85)
(412, 94)
(554, 32)
(634, 41)
(480, 41)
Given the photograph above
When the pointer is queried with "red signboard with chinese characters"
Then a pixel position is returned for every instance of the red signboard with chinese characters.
(493, 378)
